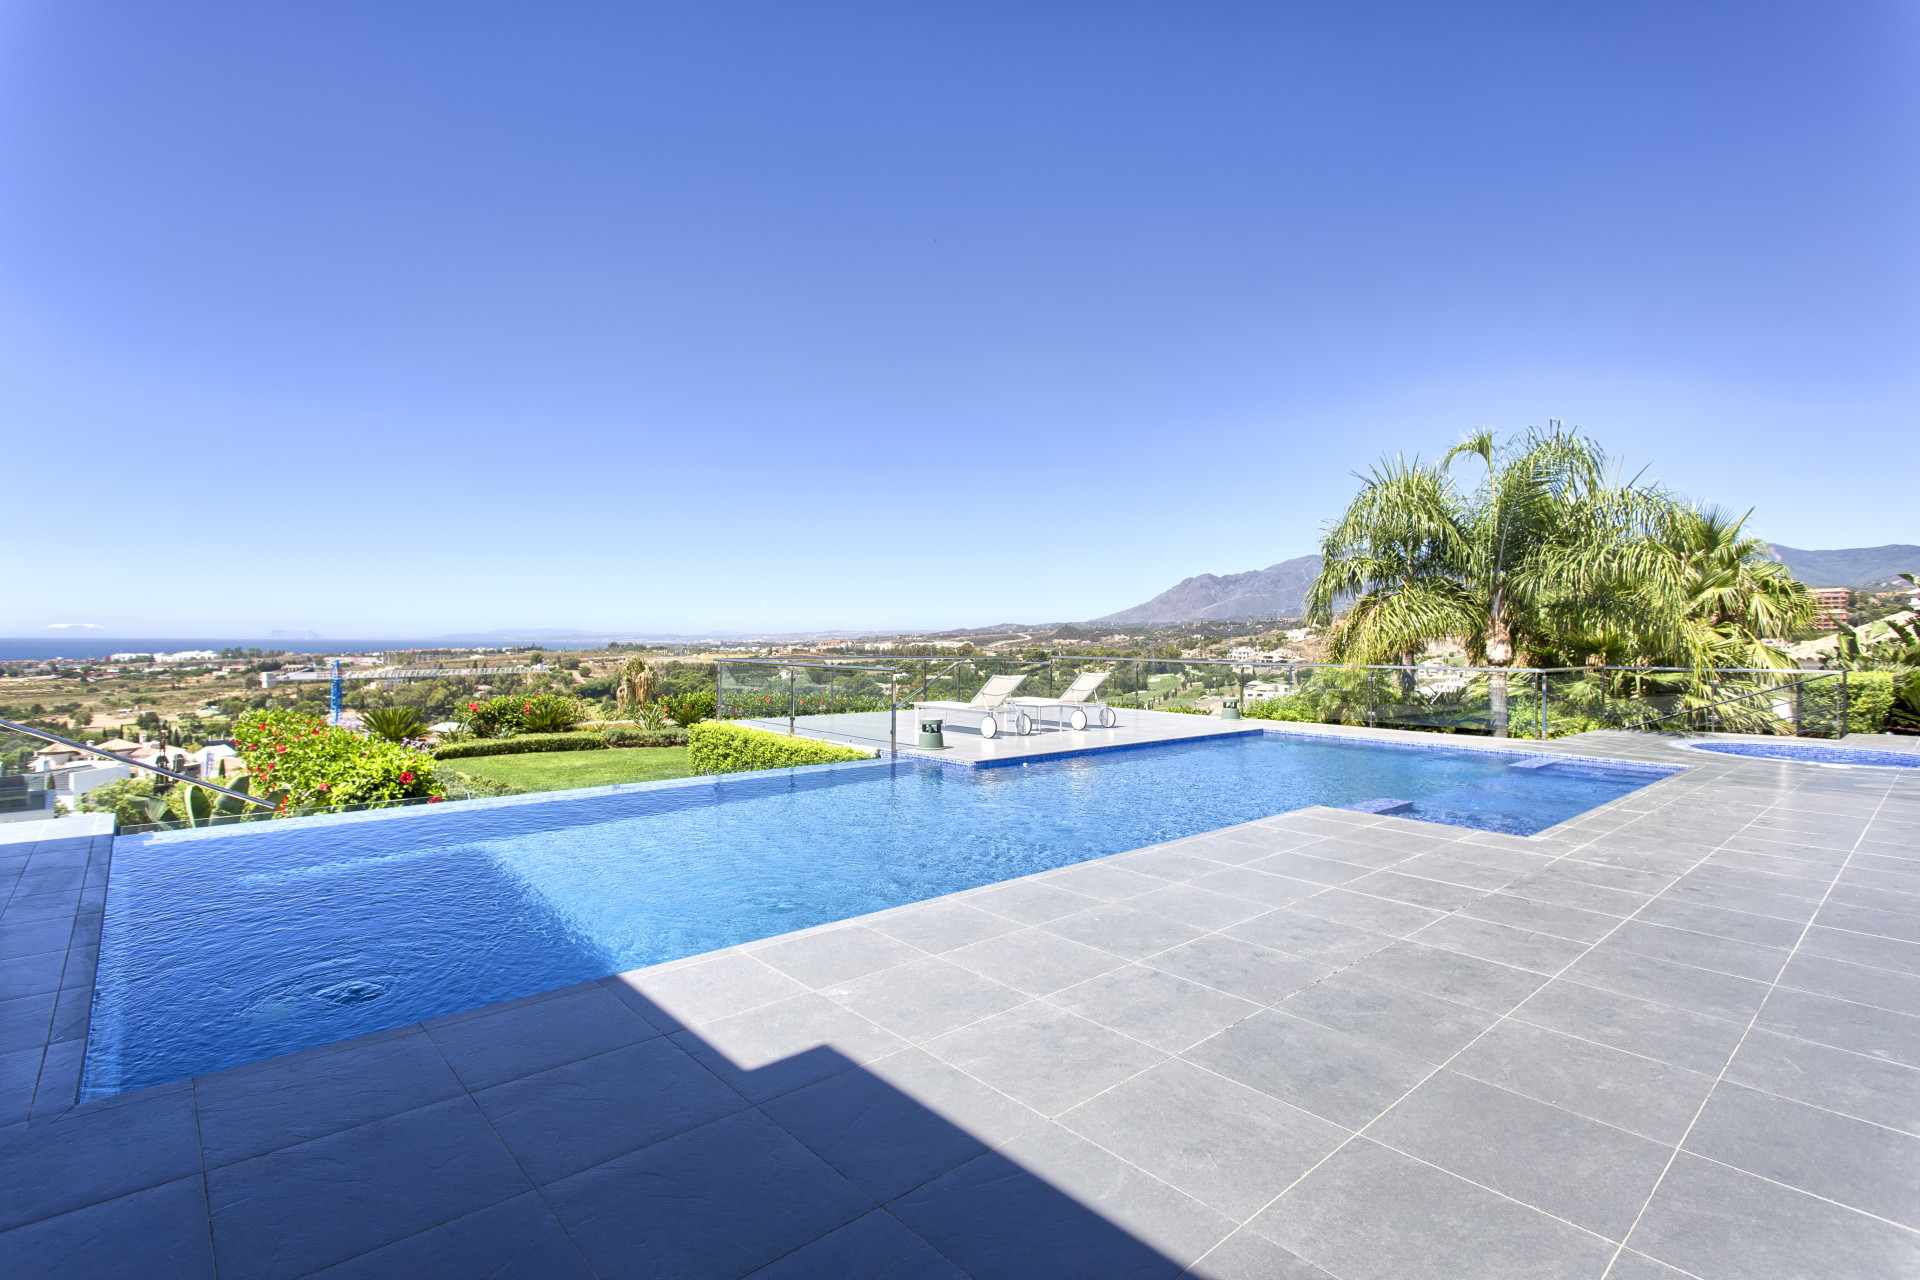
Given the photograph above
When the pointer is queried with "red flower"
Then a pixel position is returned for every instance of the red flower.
(323, 786)
(406, 777)
(473, 706)
(433, 799)
(281, 750)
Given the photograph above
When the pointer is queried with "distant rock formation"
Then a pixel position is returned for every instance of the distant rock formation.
(1863, 567)
(1277, 591)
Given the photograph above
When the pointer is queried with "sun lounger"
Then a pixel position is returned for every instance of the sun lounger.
(1076, 707)
(990, 711)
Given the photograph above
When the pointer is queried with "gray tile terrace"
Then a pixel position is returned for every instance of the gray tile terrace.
(1677, 1036)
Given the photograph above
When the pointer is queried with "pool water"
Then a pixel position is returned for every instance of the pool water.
(238, 943)
(1812, 753)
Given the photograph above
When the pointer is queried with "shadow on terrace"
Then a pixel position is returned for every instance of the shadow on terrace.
(584, 1132)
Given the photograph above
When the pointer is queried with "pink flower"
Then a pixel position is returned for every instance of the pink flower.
(406, 777)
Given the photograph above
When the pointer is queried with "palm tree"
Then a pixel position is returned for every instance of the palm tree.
(1721, 596)
(1550, 535)
(636, 684)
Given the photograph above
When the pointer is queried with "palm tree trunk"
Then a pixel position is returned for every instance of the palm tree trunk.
(1497, 689)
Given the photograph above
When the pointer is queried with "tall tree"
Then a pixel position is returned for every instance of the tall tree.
(1550, 532)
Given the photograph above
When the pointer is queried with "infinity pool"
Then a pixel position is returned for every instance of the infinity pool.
(225, 946)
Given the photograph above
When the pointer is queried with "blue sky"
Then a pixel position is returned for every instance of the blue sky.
(397, 320)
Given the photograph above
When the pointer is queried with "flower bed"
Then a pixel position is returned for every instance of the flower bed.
(303, 763)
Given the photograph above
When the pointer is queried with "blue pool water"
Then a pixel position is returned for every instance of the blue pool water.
(1810, 753)
(225, 946)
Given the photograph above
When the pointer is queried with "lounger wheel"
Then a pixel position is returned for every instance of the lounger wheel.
(1108, 718)
(1077, 718)
(1023, 724)
(989, 728)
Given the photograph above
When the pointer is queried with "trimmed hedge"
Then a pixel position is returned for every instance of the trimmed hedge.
(716, 746)
(520, 744)
(624, 737)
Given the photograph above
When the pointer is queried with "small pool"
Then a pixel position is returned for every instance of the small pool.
(225, 946)
(1810, 753)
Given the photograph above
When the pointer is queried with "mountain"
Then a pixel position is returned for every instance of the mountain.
(1277, 591)
(1851, 566)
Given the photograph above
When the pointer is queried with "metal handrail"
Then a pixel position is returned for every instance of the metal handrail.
(1738, 697)
(135, 764)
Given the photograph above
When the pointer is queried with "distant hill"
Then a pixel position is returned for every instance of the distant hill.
(1277, 591)
(1850, 566)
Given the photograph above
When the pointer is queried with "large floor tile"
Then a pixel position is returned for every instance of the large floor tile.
(1309, 937)
(1361, 911)
(878, 1245)
(1683, 986)
(1701, 950)
(301, 1208)
(560, 1121)
(1653, 1099)
(1861, 1165)
(1201, 908)
(517, 1239)
(907, 1122)
(1591, 1174)
(825, 957)
(1240, 968)
(1154, 1007)
(1374, 1214)
(1224, 1144)
(1692, 1040)
(517, 1041)
(1044, 1057)
(941, 925)
(1034, 961)
(1449, 975)
(1859, 983)
(695, 994)
(1571, 923)
(1336, 1075)
(267, 1105)
(1398, 1018)
(768, 1051)
(1879, 1033)
(1722, 1224)
(924, 999)
(1053, 1204)
(1853, 1084)
(1540, 953)
(1123, 930)
(718, 1201)
(1248, 1255)
(156, 1234)
(99, 1152)
(1718, 922)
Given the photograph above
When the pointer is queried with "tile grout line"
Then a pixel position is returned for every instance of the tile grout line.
(1361, 1131)
(1735, 1052)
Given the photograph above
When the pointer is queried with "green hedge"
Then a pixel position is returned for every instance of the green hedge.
(520, 744)
(1870, 696)
(716, 746)
(625, 737)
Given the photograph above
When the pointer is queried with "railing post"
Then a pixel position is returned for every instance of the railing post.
(1840, 729)
(1540, 684)
(893, 713)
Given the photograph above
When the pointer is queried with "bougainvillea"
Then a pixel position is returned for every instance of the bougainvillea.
(314, 764)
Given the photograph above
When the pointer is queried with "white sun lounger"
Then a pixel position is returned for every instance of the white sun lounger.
(990, 711)
(1076, 707)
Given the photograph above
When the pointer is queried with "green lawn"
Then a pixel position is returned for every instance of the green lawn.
(559, 770)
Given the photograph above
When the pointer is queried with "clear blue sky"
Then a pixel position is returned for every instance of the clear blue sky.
(403, 319)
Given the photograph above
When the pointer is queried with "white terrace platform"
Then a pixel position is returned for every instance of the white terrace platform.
(869, 729)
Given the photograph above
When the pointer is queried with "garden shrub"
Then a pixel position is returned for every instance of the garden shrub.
(520, 744)
(1289, 707)
(689, 709)
(1870, 699)
(314, 764)
(513, 713)
(126, 799)
(624, 737)
(717, 746)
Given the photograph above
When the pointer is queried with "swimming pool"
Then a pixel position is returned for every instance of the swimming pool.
(238, 943)
(1810, 753)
